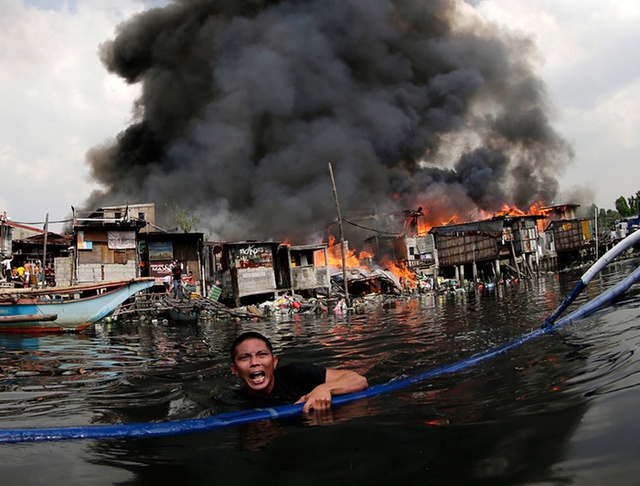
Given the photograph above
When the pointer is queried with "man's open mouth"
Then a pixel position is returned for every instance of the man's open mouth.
(257, 377)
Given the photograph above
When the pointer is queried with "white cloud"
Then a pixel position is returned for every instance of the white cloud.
(593, 76)
(58, 102)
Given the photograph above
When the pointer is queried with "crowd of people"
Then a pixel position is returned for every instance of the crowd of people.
(27, 274)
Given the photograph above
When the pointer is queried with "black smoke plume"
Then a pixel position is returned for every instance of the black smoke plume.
(245, 102)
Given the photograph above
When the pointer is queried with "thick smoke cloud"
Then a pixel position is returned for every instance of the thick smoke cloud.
(244, 104)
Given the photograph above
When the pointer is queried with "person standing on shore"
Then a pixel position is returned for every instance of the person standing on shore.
(6, 267)
(176, 272)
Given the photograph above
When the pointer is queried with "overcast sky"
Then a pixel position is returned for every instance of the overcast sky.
(58, 101)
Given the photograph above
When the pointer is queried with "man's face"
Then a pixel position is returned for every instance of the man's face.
(254, 365)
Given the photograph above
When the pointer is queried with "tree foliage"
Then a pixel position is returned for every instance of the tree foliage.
(623, 207)
(183, 219)
(607, 217)
(629, 206)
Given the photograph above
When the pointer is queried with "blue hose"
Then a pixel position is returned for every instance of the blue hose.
(160, 429)
(607, 258)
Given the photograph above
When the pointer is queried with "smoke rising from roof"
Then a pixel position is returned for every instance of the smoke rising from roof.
(244, 103)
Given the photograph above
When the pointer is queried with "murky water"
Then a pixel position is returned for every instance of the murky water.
(560, 409)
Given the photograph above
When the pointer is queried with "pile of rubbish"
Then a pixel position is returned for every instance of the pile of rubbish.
(364, 288)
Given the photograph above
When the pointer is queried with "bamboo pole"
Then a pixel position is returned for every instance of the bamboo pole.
(344, 255)
(595, 217)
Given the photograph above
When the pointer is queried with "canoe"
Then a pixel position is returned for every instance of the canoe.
(64, 309)
(183, 317)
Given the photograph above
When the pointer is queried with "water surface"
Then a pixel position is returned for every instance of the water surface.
(560, 409)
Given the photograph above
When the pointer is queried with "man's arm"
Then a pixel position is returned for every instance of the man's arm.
(337, 382)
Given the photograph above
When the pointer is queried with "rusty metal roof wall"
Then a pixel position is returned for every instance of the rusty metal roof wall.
(490, 226)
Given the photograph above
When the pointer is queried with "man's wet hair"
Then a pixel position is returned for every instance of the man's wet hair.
(245, 336)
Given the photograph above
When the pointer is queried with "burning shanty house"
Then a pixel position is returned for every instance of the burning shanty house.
(401, 250)
(481, 248)
(521, 236)
(567, 238)
(364, 281)
(416, 253)
(304, 268)
(251, 271)
(364, 274)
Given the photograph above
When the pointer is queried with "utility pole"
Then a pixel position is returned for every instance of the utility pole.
(43, 265)
(344, 255)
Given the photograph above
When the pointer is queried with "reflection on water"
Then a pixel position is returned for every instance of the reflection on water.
(556, 409)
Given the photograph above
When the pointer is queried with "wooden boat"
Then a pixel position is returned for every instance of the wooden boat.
(183, 316)
(64, 309)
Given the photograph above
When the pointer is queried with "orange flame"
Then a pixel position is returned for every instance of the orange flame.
(352, 259)
(362, 259)
(408, 278)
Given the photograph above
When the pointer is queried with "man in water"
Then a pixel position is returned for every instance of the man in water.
(252, 361)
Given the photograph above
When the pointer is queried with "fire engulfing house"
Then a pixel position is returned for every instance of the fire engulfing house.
(567, 238)
(304, 268)
(416, 252)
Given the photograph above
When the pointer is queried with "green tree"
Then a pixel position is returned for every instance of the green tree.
(607, 218)
(183, 219)
(634, 204)
(622, 206)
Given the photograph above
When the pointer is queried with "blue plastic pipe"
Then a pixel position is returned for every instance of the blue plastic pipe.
(159, 429)
(607, 258)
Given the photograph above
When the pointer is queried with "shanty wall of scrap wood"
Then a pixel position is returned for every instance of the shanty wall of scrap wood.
(105, 254)
(466, 248)
(571, 235)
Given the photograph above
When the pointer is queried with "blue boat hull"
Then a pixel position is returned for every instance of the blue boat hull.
(66, 309)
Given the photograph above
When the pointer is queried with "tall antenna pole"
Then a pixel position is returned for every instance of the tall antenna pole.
(344, 254)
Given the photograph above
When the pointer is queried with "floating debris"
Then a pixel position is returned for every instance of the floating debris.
(160, 306)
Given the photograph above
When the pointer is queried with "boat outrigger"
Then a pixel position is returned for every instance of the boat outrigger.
(64, 309)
